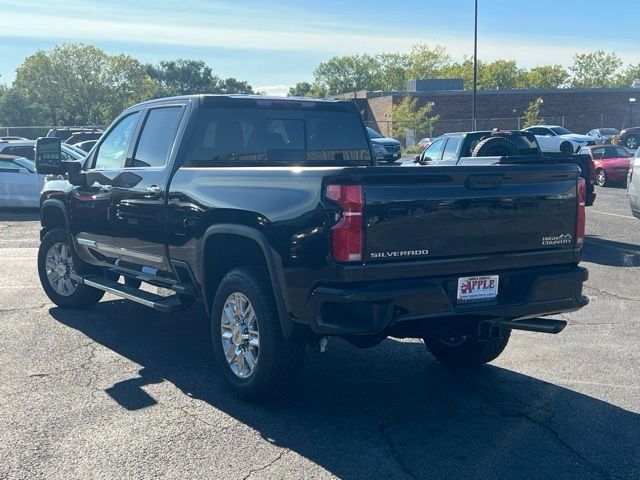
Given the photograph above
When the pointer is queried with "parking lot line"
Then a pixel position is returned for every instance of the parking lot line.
(612, 214)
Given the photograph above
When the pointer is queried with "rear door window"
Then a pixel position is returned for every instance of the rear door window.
(451, 148)
(157, 137)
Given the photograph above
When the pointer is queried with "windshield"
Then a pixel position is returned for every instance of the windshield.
(613, 152)
(609, 131)
(267, 136)
(560, 131)
(373, 133)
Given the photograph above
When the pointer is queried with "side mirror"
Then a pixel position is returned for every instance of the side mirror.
(416, 159)
(49, 156)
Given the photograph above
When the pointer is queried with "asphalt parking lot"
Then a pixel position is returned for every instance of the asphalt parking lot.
(119, 391)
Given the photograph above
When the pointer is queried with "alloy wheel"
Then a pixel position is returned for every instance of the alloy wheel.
(59, 268)
(240, 336)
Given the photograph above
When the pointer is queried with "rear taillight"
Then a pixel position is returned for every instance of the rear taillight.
(581, 217)
(346, 235)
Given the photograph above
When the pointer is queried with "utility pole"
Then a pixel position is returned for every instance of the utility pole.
(475, 67)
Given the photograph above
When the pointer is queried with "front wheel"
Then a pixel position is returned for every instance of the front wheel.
(566, 148)
(253, 356)
(57, 266)
(601, 178)
(466, 351)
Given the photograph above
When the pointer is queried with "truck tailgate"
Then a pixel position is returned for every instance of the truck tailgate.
(438, 212)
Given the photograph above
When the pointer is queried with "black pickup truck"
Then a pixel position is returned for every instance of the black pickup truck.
(273, 214)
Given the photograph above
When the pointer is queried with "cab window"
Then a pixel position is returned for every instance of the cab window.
(112, 151)
(434, 151)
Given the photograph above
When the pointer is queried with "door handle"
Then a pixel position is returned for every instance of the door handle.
(153, 189)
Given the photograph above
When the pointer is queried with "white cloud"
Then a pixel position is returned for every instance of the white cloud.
(274, 90)
(229, 30)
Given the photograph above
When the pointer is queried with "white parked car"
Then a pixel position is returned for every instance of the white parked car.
(633, 185)
(20, 185)
(27, 148)
(554, 138)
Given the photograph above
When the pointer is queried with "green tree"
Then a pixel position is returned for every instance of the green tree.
(532, 114)
(300, 89)
(392, 70)
(126, 82)
(427, 62)
(596, 69)
(500, 75)
(628, 75)
(348, 74)
(183, 77)
(545, 76)
(408, 115)
(78, 84)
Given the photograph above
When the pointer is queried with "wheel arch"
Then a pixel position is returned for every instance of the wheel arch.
(242, 246)
(53, 213)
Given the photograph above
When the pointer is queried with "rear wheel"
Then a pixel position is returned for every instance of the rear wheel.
(250, 350)
(57, 268)
(601, 177)
(466, 351)
(566, 148)
(632, 142)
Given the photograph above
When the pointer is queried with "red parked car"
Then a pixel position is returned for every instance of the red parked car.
(609, 163)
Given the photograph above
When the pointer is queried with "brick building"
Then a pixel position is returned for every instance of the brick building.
(579, 110)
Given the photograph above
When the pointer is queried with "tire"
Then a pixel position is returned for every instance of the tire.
(466, 351)
(601, 177)
(566, 148)
(495, 147)
(632, 142)
(56, 261)
(276, 361)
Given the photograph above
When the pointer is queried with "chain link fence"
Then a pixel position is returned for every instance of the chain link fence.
(581, 123)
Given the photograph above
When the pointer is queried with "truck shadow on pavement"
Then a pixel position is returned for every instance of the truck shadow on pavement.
(608, 252)
(387, 412)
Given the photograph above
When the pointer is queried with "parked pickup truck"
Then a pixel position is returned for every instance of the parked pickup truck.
(511, 146)
(273, 214)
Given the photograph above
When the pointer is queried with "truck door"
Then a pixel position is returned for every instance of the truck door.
(139, 194)
(91, 204)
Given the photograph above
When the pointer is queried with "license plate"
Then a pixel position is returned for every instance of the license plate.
(482, 288)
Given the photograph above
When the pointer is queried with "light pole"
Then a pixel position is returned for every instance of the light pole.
(515, 112)
(632, 102)
(475, 66)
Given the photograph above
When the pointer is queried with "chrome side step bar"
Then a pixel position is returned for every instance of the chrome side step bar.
(157, 302)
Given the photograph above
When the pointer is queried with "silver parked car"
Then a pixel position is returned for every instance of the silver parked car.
(633, 185)
(26, 148)
(20, 185)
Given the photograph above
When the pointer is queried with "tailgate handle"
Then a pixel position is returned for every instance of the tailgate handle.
(484, 182)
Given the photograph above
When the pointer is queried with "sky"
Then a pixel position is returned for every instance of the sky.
(274, 44)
